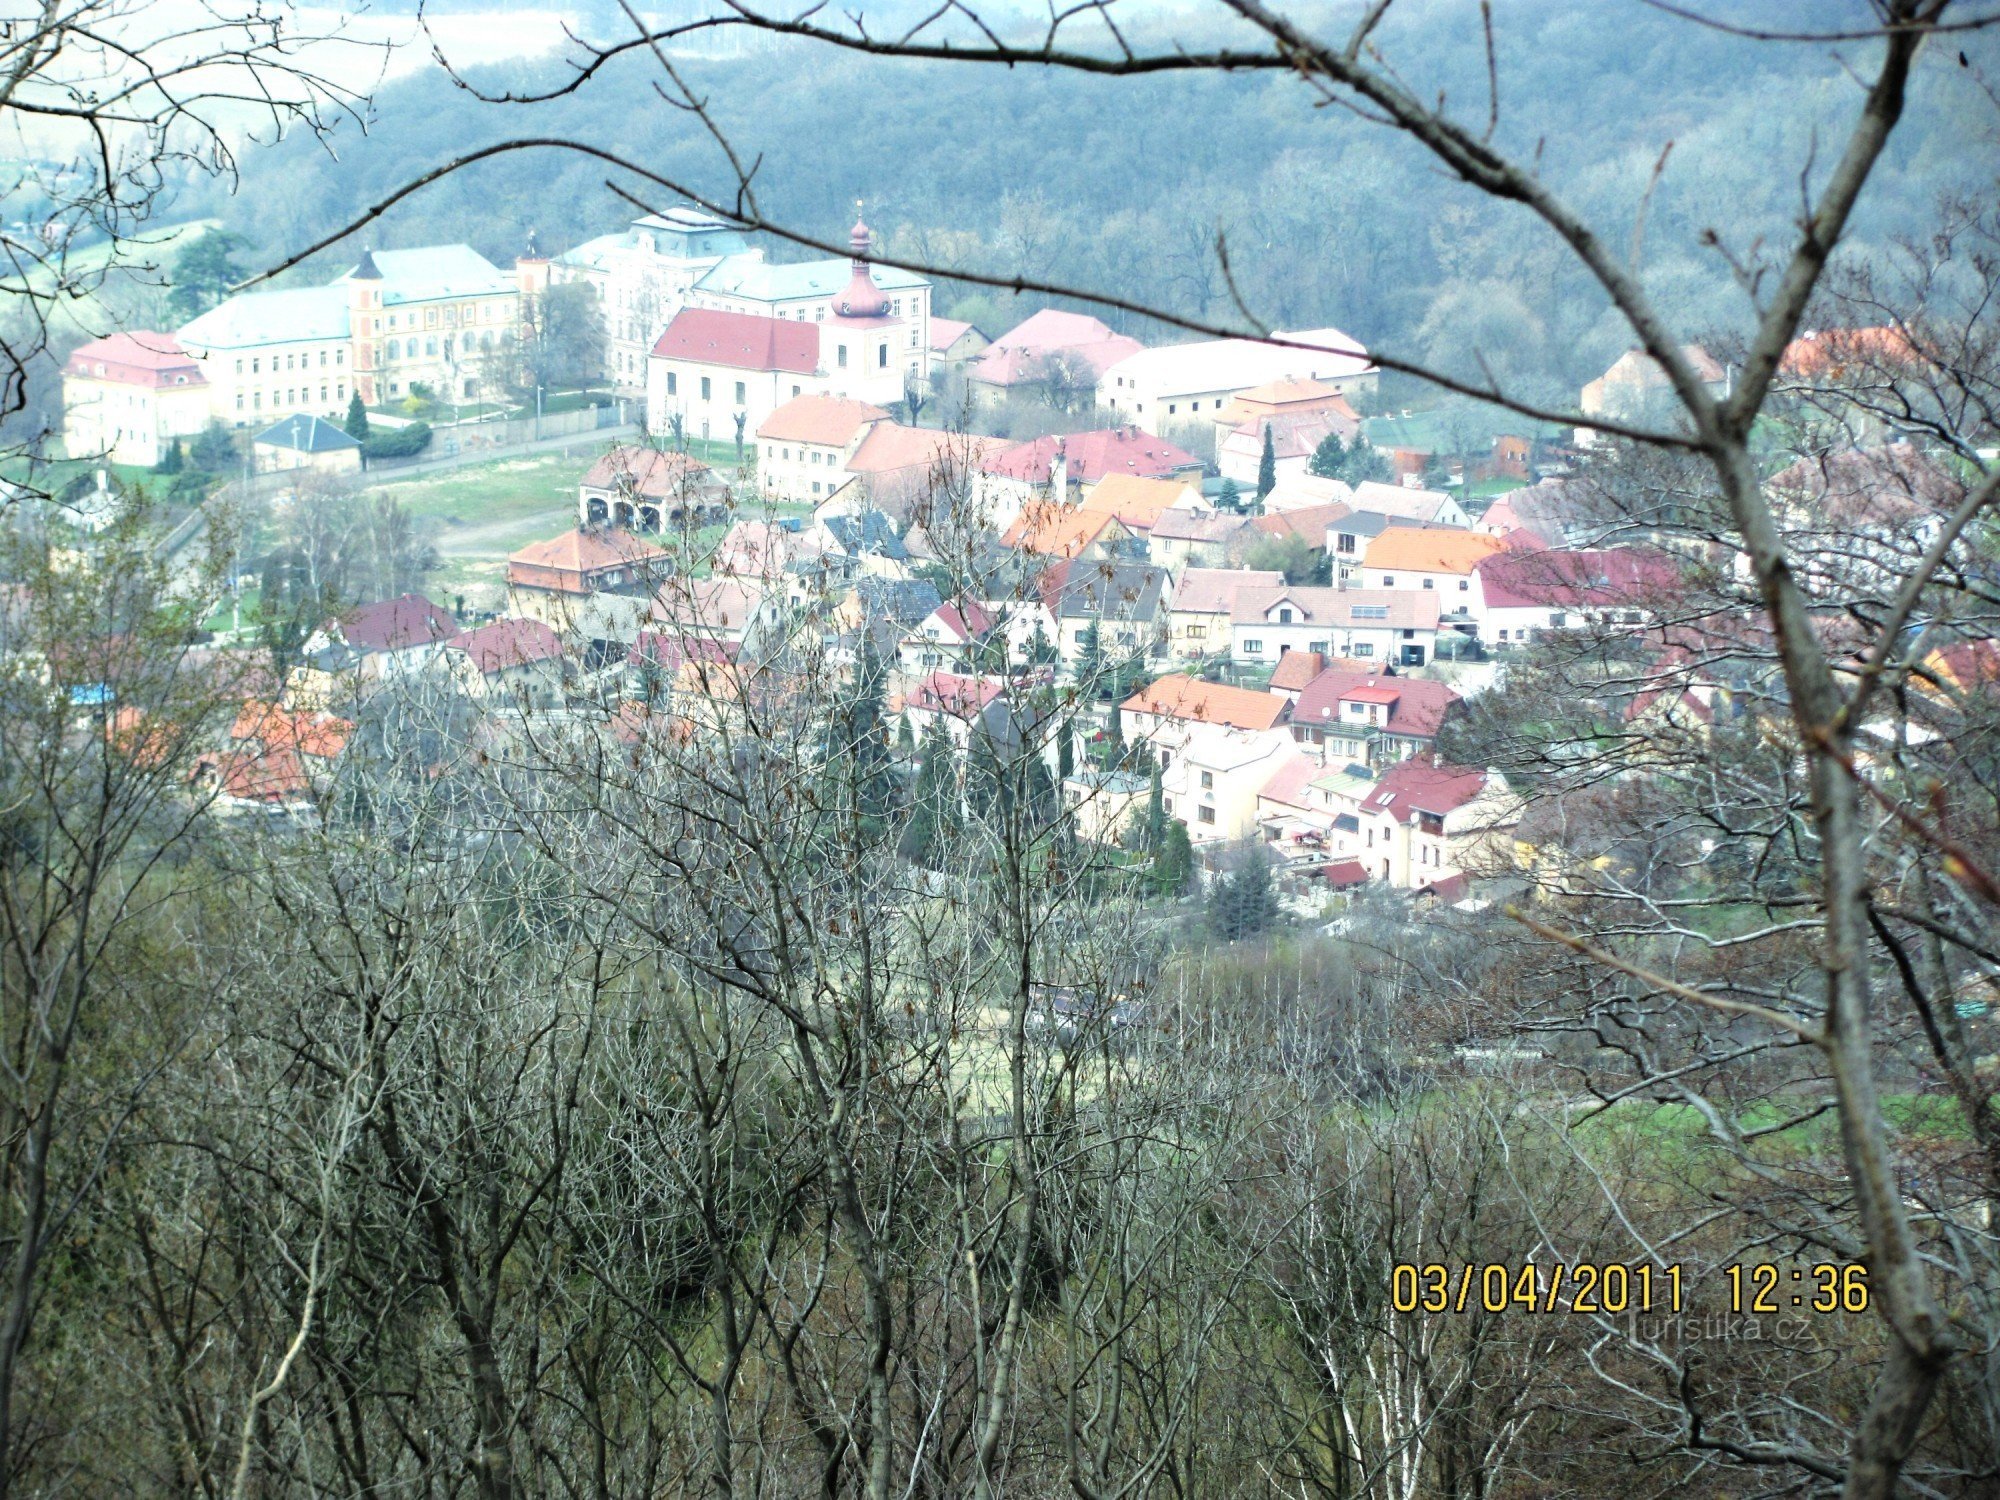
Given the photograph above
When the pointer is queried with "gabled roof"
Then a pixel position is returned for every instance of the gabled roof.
(1092, 455)
(508, 643)
(1189, 698)
(1834, 353)
(153, 360)
(1137, 501)
(867, 532)
(321, 735)
(1288, 783)
(1401, 501)
(761, 549)
(434, 272)
(742, 341)
(396, 624)
(1309, 522)
(1107, 591)
(890, 446)
(670, 651)
(1051, 530)
(1419, 784)
(1414, 705)
(649, 473)
(1213, 591)
(962, 622)
(304, 433)
(1379, 609)
(1540, 577)
(293, 315)
(1225, 364)
(749, 276)
(707, 603)
(585, 550)
(1295, 669)
(949, 693)
(947, 331)
(831, 421)
(1022, 353)
(1430, 549)
(1197, 526)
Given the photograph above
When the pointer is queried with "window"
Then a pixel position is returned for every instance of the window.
(795, 390)
(395, 388)
(1171, 408)
(322, 359)
(1371, 611)
(1206, 814)
(1388, 580)
(430, 346)
(239, 367)
(322, 391)
(1345, 543)
(1464, 584)
(840, 355)
(340, 390)
(256, 365)
(815, 486)
(1284, 615)
(395, 349)
(1361, 648)
(1253, 647)
(706, 389)
(339, 358)
(1430, 583)
(673, 384)
(1558, 620)
(1197, 632)
(1208, 781)
(739, 393)
(257, 401)
(239, 401)
(882, 356)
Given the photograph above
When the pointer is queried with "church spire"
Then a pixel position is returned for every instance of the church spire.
(862, 299)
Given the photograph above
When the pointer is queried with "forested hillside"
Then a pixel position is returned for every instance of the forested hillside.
(1123, 184)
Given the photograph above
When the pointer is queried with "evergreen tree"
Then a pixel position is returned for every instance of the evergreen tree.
(202, 272)
(1230, 496)
(1065, 755)
(1156, 812)
(172, 461)
(1090, 661)
(1328, 458)
(859, 723)
(1244, 902)
(1114, 741)
(934, 811)
(356, 425)
(1267, 466)
(1363, 463)
(1174, 864)
(214, 451)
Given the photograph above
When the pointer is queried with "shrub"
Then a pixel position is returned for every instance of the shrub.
(397, 442)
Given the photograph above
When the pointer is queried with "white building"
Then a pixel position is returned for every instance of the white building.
(1396, 627)
(1163, 389)
(127, 397)
(804, 446)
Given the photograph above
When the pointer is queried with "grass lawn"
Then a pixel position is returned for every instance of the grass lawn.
(1487, 489)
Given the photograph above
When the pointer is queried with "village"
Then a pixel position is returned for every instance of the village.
(1233, 604)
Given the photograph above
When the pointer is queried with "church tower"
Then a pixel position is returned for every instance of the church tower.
(364, 327)
(862, 299)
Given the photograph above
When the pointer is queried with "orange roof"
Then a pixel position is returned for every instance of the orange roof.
(1429, 549)
(890, 446)
(1135, 500)
(1833, 352)
(1051, 530)
(319, 734)
(581, 550)
(1297, 668)
(1182, 697)
(830, 420)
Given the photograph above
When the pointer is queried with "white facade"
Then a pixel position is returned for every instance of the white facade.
(1166, 388)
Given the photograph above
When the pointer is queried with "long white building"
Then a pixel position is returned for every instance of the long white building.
(1165, 389)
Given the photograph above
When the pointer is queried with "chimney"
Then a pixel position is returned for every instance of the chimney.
(1060, 475)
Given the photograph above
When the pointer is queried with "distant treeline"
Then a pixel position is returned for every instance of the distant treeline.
(1125, 184)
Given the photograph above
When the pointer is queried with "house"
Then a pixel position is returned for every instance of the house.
(520, 660)
(921, 475)
(764, 549)
(1859, 517)
(1212, 783)
(1428, 558)
(1062, 352)
(1425, 824)
(674, 673)
(1183, 539)
(277, 757)
(127, 397)
(1050, 467)
(712, 609)
(946, 638)
(1126, 603)
(958, 704)
(1069, 533)
(1519, 593)
(858, 542)
(1166, 712)
(713, 375)
(1309, 524)
(348, 656)
(1140, 503)
(1103, 804)
(637, 488)
(1348, 538)
(1198, 622)
(1239, 452)
(1290, 819)
(1284, 400)
(804, 445)
(1307, 491)
(1406, 502)
(1181, 385)
(1541, 513)
(1636, 387)
(591, 583)
(954, 343)
(1343, 716)
(1393, 626)
(305, 442)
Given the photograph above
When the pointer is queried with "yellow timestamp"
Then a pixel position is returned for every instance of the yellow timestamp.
(1827, 1287)
(1612, 1287)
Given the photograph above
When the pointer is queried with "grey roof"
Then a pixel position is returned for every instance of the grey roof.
(435, 271)
(689, 235)
(749, 276)
(1119, 591)
(868, 534)
(250, 318)
(904, 600)
(305, 433)
(367, 270)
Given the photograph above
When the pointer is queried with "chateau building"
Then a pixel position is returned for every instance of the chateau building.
(127, 397)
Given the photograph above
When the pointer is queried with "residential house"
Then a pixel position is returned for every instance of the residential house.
(1343, 717)
(1635, 387)
(1405, 502)
(1140, 503)
(958, 704)
(1432, 559)
(680, 674)
(636, 488)
(1284, 400)
(1103, 804)
(1543, 513)
(1239, 452)
(946, 638)
(1126, 603)
(1307, 491)
(1069, 533)
(1859, 518)
(954, 343)
(764, 549)
(921, 476)
(735, 610)
(1184, 385)
(1064, 352)
(1519, 593)
(1212, 783)
(277, 757)
(863, 541)
(590, 584)
(350, 655)
(1397, 627)
(1429, 827)
(1185, 539)
(1165, 712)
(1050, 468)
(1204, 602)
(714, 375)
(126, 398)
(1289, 817)
(519, 660)
(1310, 525)
(305, 443)
(803, 446)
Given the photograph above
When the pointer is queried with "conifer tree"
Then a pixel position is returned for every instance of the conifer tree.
(1328, 457)
(1267, 466)
(356, 425)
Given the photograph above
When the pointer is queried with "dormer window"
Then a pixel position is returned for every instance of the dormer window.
(1284, 617)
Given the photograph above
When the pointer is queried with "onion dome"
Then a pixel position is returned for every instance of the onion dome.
(862, 298)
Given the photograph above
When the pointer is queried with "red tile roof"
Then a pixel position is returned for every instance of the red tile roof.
(1345, 873)
(1610, 576)
(1419, 784)
(155, 360)
(890, 446)
(508, 643)
(1181, 697)
(396, 624)
(830, 421)
(968, 621)
(1416, 706)
(1092, 455)
(948, 693)
(1295, 669)
(582, 550)
(648, 472)
(743, 341)
(321, 735)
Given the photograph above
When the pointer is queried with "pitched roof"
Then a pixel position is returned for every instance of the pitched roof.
(1051, 530)
(1115, 591)
(1293, 435)
(671, 651)
(707, 603)
(1885, 485)
(1402, 501)
(154, 360)
(890, 446)
(1539, 577)
(1224, 364)
(508, 643)
(966, 622)
(1212, 591)
(396, 624)
(949, 693)
(288, 316)
(828, 420)
(1295, 669)
(1197, 526)
(588, 549)
(321, 735)
(436, 271)
(742, 341)
(305, 433)
(1305, 491)
(761, 549)
(947, 331)
(1093, 455)
(651, 473)
(749, 276)
(866, 532)
(1430, 549)
(1415, 706)
(1020, 353)
(1831, 353)
(1137, 501)
(1288, 783)
(1400, 609)
(1181, 697)
(1419, 784)
(1308, 522)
